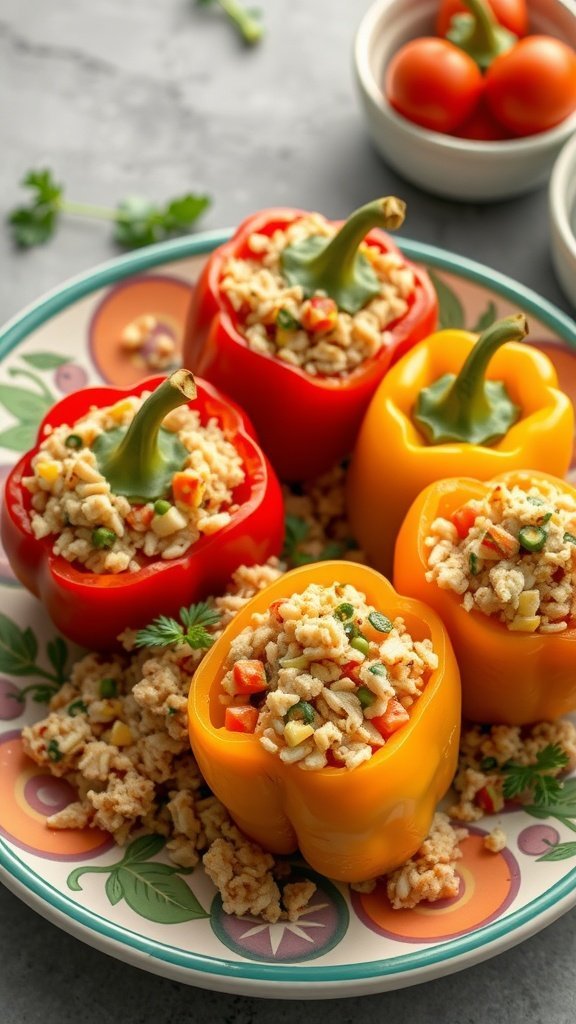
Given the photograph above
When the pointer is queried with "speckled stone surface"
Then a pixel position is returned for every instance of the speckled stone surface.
(136, 96)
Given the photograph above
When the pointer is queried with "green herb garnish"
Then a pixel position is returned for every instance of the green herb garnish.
(532, 538)
(544, 788)
(473, 563)
(344, 611)
(53, 751)
(108, 688)
(246, 21)
(286, 321)
(569, 538)
(302, 711)
(136, 221)
(77, 707)
(191, 630)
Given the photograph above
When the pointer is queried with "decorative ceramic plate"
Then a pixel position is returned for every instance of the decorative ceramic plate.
(161, 918)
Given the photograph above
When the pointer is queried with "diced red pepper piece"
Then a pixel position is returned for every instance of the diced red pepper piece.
(463, 519)
(241, 719)
(140, 517)
(274, 609)
(188, 488)
(393, 718)
(490, 799)
(319, 314)
(249, 676)
(351, 670)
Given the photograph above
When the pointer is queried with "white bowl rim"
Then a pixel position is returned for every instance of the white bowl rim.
(526, 143)
(563, 169)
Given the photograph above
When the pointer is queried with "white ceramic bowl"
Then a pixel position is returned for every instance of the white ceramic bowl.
(562, 201)
(445, 165)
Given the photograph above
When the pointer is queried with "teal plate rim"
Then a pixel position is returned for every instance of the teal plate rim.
(116, 940)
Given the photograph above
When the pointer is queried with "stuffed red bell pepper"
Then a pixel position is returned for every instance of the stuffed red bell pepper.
(137, 502)
(298, 319)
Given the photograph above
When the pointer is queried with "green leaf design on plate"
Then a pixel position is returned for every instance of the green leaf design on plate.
(25, 406)
(157, 893)
(20, 437)
(114, 890)
(451, 311)
(486, 319)
(143, 848)
(562, 851)
(18, 648)
(57, 651)
(562, 807)
(152, 889)
(45, 360)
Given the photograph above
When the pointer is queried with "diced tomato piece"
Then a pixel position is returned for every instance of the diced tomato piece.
(489, 799)
(463, 519)
(393, 718)
(351, 670)
(273, 609)
(140, 517)
(241, 719)
(249, 676)
(188, 488)
(319, 314)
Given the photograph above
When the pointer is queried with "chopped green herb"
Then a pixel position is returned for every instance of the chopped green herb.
(569, 538)
(53, 751)
(161, 507)
(137, 221)
(488, 764)
(102, 537)
(74, 441)
(380, 622)
(473, 563)
(172, 711)
(191, 630)
(302, 710)
(77, 707)
(344, 611)
(351, 630)
(545, 519)
(378, 669)
(108, 688)
(534, 500)
(536, 778)
(286, 321)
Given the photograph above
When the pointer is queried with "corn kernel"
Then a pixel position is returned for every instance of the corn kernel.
(528, 603)
(121, 409)
(525, 623)
(48, 471)
(297, 732)
(121, 734)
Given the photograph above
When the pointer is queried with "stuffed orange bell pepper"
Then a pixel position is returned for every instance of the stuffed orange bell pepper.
(497, 561)
(455, 405)
(298, 322)
(331, 724)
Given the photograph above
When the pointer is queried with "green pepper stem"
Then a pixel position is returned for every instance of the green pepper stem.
(479, 33)
(336, 267)
(467, 407)
(139, 462)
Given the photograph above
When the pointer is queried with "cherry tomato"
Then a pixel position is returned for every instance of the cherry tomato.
(532, 87)
(482, 126)
(512, 14)
(433, 83)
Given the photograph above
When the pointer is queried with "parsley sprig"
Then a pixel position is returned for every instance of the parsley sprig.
(536, 778)
(137, 221)
(192, 629)
(246, 20)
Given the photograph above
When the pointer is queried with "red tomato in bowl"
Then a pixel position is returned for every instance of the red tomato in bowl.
(433, 83)
(512, 14)
(482, 126)
(532, 87)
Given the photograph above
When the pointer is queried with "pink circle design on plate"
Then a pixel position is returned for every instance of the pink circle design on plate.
(28, 796)
(537, 839)
(488, 884)
(10, 706)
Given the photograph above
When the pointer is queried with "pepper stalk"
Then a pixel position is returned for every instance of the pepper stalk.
(467, 407)
(140, 460)
(479, 33)
(335, 266)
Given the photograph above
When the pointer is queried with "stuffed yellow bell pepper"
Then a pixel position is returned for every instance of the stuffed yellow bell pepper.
(330, 723)
(455, 405)
(497, 561)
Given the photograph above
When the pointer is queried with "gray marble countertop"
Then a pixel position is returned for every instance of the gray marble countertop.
(135, 96)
